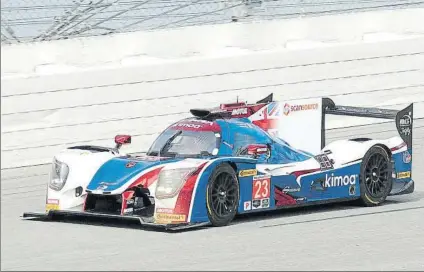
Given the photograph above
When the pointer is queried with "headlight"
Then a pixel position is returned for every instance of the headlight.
(59, 175)
(171, 181)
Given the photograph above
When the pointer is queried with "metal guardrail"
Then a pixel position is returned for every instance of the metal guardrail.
(41, 20)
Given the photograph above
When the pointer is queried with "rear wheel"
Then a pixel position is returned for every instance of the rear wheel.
(376, 176)
(222, 197)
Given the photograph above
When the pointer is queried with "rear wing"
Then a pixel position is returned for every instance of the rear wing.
(403, 118)
(302, 122)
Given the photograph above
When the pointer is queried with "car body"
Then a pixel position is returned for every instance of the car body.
(238, 158)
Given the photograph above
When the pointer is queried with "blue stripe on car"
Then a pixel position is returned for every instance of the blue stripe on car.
(117, 174)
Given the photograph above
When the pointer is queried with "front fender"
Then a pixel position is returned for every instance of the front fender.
(198, 210)
(82, 165)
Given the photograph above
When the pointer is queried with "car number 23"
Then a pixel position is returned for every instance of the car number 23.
(261, 187)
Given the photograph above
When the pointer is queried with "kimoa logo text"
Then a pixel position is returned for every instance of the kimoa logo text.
(334, 181)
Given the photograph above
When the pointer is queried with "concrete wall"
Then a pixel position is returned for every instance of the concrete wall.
(63, 93)
(207, 41)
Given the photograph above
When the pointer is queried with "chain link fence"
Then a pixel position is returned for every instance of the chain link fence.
(41, 20)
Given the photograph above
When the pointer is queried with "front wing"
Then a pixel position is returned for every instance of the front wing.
(63, 215)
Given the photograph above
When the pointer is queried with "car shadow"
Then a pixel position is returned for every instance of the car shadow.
(100, 222)
(326, 208)
(246, 218)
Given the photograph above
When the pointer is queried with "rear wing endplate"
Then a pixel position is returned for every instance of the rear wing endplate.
(403, 118)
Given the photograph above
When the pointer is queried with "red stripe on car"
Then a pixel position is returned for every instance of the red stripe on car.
(184, 198)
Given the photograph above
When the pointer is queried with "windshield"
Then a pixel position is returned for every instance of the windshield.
(185, 143)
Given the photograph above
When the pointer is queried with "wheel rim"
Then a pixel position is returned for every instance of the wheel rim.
(377, 175)
(224, 193)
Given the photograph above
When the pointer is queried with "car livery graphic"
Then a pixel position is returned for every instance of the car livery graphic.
(233, 159)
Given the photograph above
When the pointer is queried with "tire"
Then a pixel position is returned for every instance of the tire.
(375, 176)
(222, 195)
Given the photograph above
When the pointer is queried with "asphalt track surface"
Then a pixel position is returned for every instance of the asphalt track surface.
(331, 237)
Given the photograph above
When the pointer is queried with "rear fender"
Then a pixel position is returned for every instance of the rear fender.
(346, 151)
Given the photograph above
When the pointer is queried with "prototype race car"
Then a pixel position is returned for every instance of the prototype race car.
(234, 159)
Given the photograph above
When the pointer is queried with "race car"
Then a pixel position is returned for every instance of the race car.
(237, 158)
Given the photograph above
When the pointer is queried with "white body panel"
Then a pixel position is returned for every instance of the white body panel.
(298, 122)
(82, 167)
(345, 151)
(84, 164)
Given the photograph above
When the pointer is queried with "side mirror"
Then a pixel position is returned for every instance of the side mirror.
(257, 149)
(122, 139)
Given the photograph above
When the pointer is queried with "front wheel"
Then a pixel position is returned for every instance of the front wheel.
(376, 176)
(222, 197)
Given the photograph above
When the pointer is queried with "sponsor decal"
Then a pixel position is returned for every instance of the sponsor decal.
(128, 210)
(405, 121)
(300, 199)
(256, 204)
(282, 198)
(352, 189)
(261, 192)
(168, 217)
(52, 204)
(403, 175)
(164, 210)
(196, 125)
(50, 207)
(261, 187)
(248, 172)
(239, 111)
(188, 125)
(247, 205)
(265, 203)
(288, 189)
(336, 181)
(405, 124)
(53, 201)
(324, 162)
(287, 109)
(260, 204)
(130, 164)
(130, 201)
(406, 157)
